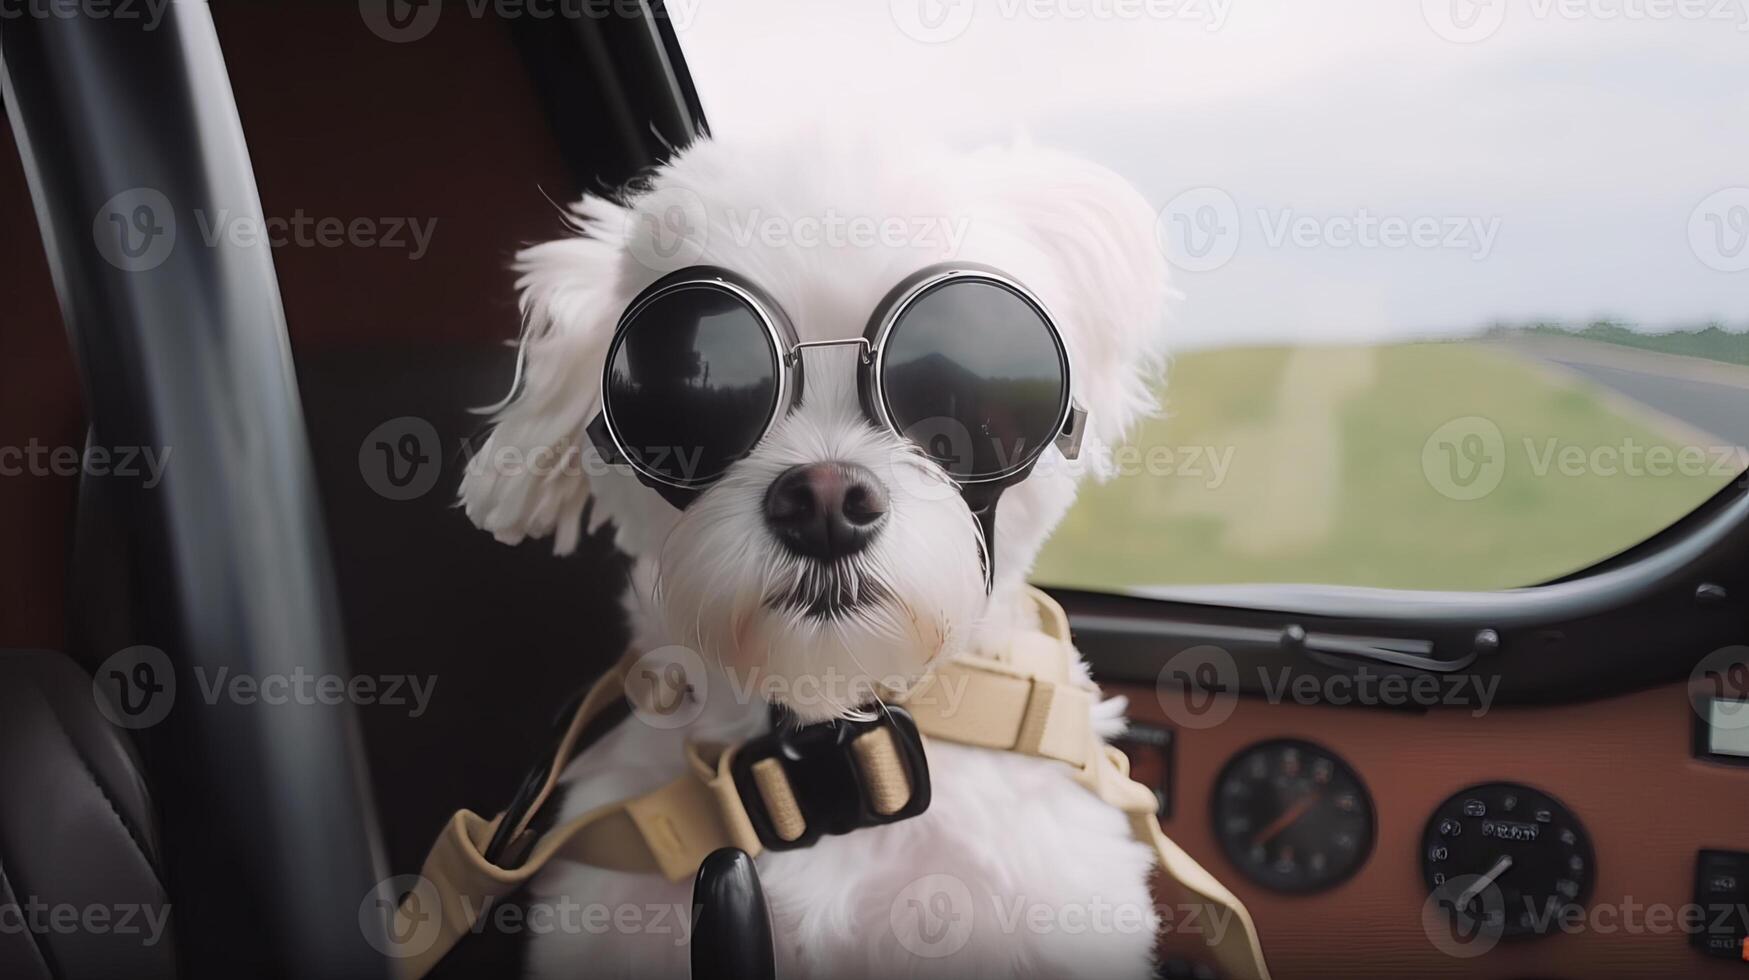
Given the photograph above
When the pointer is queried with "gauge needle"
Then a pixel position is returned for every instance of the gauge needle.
(1288, 817)
(1483, 882)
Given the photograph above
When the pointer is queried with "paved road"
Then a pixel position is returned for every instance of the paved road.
(1708, 395)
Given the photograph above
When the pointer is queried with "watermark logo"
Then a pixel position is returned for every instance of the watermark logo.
(400, 927)
(1465, 916)
(135, 230)
(1199, 229)
(1199, 687)
(934, 446)
(1718, 230)
(667, 228)
(933, 916)
(135, 688)
(1718, 688)
(1464, 21)
(1465, 459)
(667, 687)
(933, 21)
(1473, 21)
(400, 21)
(399, 459)
(1202, 229)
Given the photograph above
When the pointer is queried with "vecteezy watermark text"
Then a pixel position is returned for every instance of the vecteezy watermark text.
(136, 688)
(935, 916)
(941, 21)
(411, 235)
(145, 463)
(147, 13)
(138, 230)
(1203, 228)
(941, 234)
(1474, 21)
(304, 687)
(403, 21)
(669, 686)
(1199, 687)
(38, 917)
(399, 459)
(1467, 929)
(403, 916)
(1467, 458)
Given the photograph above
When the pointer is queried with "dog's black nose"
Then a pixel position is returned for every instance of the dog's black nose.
(825, 510)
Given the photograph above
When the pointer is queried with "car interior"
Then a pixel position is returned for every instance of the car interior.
(1588, 718)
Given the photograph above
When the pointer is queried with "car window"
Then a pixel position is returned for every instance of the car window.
(1464, 282)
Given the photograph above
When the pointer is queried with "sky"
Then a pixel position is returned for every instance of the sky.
(1329, 171)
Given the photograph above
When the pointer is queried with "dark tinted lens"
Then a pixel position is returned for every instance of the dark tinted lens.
(972, 373)
(692, 383)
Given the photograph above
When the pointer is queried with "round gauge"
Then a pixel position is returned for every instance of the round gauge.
(1506, 860)
(1292, 817)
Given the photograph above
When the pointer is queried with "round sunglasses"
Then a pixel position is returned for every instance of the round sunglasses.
(959, 359)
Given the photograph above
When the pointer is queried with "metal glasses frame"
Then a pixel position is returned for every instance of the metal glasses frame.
(786, 353)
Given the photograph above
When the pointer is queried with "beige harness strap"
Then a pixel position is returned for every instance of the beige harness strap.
(1028, 703)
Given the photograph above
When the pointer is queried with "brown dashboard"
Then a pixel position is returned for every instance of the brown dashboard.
(1624, 766)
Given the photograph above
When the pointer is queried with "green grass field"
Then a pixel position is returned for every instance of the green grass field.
(1326, 479)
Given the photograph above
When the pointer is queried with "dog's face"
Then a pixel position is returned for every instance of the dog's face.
(835, 559)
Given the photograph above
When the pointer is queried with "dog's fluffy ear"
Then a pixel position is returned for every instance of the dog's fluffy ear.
(1109, 280)
(529, 479)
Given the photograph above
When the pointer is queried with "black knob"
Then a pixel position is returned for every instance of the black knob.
(732, 939)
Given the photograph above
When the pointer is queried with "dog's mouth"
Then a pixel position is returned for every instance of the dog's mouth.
(828, 591)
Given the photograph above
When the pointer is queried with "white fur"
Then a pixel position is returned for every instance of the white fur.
(1006, 827)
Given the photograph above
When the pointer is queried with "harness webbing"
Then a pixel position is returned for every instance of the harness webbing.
(1028, 702)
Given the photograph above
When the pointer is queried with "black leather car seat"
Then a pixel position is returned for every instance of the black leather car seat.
(81, 889)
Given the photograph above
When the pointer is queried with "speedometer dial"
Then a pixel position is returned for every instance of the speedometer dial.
(1293, 817)
(1506, 860)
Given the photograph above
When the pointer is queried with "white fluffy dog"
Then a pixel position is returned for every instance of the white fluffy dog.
(1014, 869)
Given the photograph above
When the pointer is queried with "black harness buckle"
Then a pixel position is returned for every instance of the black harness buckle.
(822, 772)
